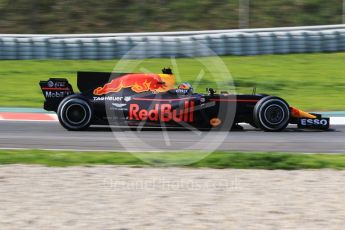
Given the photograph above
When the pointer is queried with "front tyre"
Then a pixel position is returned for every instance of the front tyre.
(75, 113)
(272, 114)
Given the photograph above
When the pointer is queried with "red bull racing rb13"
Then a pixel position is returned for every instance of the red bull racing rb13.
(151, 100)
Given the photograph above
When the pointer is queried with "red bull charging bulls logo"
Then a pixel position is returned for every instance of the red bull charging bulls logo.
(138, 82)
(163, 112)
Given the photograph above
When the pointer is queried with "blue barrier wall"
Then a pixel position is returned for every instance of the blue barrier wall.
(150, 45)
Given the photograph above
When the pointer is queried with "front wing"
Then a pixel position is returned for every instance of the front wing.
(306, 120)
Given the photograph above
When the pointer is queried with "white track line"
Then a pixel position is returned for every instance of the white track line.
(53, 116)
(87, 150)
(337, 120)
(340, 152)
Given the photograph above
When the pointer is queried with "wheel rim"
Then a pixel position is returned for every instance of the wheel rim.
(274, 114)
(75, 114)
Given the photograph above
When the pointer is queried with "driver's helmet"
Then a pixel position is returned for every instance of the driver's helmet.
(186, 87)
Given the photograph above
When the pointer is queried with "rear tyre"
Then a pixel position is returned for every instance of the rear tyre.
(75, 113)
(272, 114)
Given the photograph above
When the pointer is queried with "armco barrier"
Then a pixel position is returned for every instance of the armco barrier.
(179, 44)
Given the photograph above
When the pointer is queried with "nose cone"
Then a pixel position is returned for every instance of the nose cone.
(297, 113)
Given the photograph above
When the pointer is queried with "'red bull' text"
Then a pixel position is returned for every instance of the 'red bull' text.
(163, 112)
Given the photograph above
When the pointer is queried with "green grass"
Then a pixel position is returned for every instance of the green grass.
(307, 81)
(238, 160)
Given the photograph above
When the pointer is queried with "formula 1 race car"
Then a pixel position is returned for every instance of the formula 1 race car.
(146, 99)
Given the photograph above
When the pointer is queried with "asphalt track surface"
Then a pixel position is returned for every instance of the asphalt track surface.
(50, 135)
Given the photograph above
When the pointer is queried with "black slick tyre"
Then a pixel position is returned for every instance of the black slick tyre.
(271, 114)
(75, 113)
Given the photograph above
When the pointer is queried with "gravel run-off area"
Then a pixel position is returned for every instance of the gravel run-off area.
(108, 197)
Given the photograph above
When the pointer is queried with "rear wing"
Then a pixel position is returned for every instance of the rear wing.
(54, 91)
